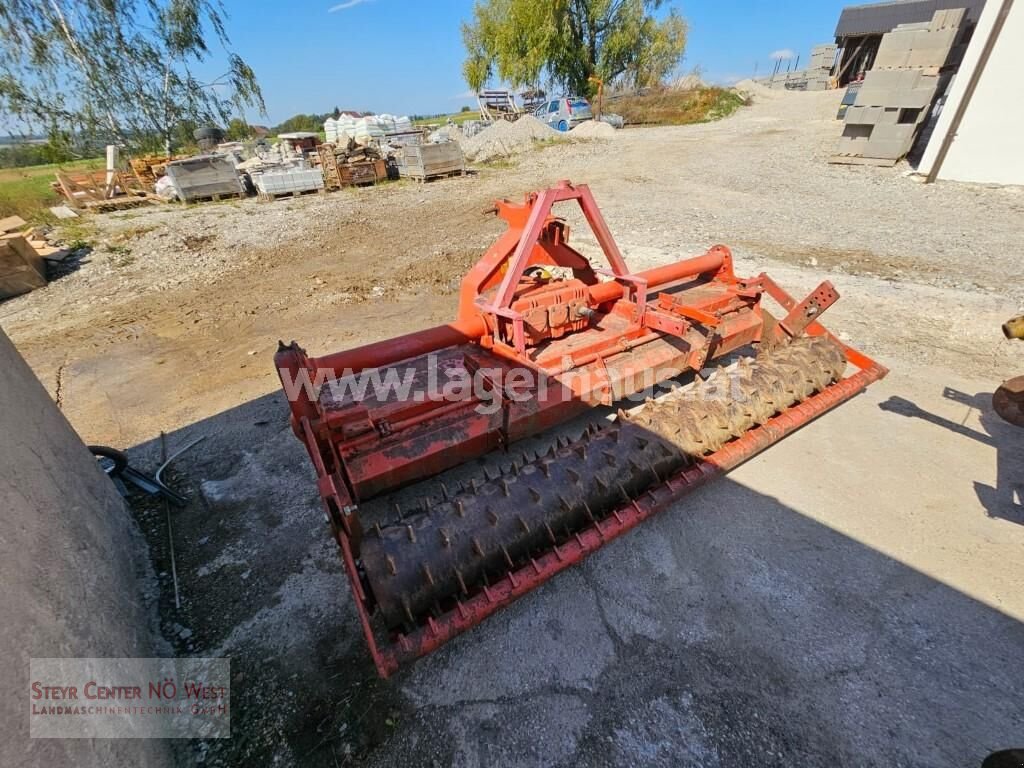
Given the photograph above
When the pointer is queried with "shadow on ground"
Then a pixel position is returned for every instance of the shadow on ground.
(729, 630)
(1006, 499)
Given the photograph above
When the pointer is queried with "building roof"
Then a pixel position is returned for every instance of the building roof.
(879, 18)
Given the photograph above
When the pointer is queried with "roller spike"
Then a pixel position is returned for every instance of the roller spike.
(601, 484)
(610, 458)
(398, 511)
(625, 496)
(376, 530)
(574, 476)
(551, 452)
(410, 533)
(535, 495)
(446, 540)
(545, 468)
(642, 443)
(514, 469)
(460, 508)
(566, 504)
(407, 610)
(472, 483)
(523, 524)
(477, 548)
(590, 515)
(444, 492)
(492, 516)
(487, 475)
(392, 568)
(508, 557)
(581, 451)
(504, 488)
(428, 575)
(462, 582)
(551, 534)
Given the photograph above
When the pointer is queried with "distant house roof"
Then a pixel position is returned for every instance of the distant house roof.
(879, 18)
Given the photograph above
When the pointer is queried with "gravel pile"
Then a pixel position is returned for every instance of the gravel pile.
(504, 139)
(592, 129)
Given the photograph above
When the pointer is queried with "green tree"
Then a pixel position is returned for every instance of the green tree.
(568, 42)
(237, 130)
(120, 70)
(310, 123)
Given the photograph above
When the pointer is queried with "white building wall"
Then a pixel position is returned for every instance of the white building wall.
(989, 144)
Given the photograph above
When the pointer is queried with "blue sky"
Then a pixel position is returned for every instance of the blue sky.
(405, 57)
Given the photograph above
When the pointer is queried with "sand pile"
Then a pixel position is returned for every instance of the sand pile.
(750, 88)
(592, 129)
(691, 82)
(504, 139)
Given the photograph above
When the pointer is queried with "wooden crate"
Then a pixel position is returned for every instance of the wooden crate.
(427, 161)
(21, 268)
(353, 174)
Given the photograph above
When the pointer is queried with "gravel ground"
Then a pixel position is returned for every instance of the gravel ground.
(852, 596)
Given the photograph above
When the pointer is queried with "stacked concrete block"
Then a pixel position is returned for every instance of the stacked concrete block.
(817, 77)
(896, 95)
(823, 57)
(921, 46)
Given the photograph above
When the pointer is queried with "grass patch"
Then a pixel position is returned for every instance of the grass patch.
(26, 192)
(457, 117)
(671, 107)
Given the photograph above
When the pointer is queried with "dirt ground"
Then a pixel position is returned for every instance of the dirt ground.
(851, 596)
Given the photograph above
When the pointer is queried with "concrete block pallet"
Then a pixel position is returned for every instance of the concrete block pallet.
(897, 94)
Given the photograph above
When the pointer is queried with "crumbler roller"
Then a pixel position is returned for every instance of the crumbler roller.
(542, 336)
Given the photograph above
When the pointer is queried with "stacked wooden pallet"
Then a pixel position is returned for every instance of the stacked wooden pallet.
(100, 190)
(351, 165)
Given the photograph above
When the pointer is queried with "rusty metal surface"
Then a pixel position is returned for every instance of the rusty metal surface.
(1008, 401)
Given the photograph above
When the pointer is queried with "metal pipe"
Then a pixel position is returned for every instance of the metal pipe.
(462, 331)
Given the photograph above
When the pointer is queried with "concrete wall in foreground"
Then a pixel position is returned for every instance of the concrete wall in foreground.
(989, 144)
(69, 564)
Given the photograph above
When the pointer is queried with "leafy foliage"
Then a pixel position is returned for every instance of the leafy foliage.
(570, 42)
(121, 70)
(237, 130)
(311, 123)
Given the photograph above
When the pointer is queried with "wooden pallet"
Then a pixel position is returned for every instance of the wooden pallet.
(270, 197)
(880, 162)
(431, 177)
(216, 198)
(429, 161)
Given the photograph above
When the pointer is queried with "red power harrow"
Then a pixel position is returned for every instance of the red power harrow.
(542, 336)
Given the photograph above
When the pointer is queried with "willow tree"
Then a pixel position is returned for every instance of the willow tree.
(570, 42)
(121, 70)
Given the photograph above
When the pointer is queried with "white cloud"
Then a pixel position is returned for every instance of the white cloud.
(781, 55)
(347, 4)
